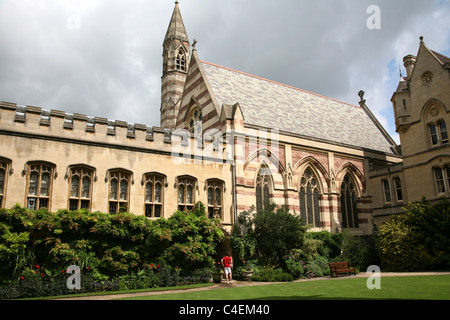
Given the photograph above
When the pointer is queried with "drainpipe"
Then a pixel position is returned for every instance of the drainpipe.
(234, 192)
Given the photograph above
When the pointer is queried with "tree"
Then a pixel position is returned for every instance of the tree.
(273, 231)
(419, 239)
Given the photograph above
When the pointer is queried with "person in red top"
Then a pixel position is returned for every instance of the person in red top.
(227, 263)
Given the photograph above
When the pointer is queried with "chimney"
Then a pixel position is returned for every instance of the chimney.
(409, 62)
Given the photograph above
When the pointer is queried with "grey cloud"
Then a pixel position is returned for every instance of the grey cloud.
(107, 60)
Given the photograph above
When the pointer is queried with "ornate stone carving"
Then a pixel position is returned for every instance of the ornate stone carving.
(427, 78)
(434, 111)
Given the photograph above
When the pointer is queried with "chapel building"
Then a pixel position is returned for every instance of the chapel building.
(231, 140)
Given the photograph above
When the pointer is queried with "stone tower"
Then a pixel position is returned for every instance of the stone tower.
(176, 55)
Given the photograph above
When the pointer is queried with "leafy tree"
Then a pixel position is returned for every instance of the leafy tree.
(419, 239)
(270, 234)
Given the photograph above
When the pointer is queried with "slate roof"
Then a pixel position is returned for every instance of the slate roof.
(270, 104)
(443, 59)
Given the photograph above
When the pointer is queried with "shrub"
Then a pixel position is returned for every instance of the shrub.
(140, 280)
(312, 270)
(418, 239)
(322, 262)
(357, 251)
(202, 275)
(331, 243)
(115, 248)
(268, 235)
(268, 274)
(309, 250)
(168, 277)
(295, 268)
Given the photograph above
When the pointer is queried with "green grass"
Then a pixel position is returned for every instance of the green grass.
(109, 293)
(407, 287)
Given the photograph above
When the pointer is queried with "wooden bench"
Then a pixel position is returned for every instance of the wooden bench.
(340, 267)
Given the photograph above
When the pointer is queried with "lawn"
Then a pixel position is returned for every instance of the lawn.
(406, 287)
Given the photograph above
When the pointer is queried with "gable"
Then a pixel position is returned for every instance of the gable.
(198, 94)
(427, 60)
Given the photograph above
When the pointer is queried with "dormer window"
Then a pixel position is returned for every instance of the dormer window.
(181, 61)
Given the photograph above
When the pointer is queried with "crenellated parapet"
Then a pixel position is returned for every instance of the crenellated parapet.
(79, 128)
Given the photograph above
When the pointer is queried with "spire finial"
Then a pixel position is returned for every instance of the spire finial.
(421, 40)
(361, 96)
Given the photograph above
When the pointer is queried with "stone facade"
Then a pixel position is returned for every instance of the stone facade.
(422, 115)
(228, 139)
(59, 159)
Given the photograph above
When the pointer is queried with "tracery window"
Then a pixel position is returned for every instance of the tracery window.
(119, 190)
(215, 203)
(80, 181)
(154, 195)
(309, 199)
(181, 61)
(195, 122)
(348, 199)
(262, 189)
(39, 185)
(186, 194)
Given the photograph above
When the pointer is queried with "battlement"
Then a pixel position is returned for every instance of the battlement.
(56, 124)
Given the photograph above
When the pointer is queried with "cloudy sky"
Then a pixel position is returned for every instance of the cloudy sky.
(103, 57)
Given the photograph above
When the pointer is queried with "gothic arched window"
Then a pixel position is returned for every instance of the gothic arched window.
(215, 203)
(309, 199)
(195, 122)
(80, 181)
(186, 193)
(154, 195)
(181, 61)
(349, 208)
(39, 186)
(262, 188)
(119, 190)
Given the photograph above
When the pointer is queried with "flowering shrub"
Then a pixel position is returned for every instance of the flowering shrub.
(312, 270)
(294, 265)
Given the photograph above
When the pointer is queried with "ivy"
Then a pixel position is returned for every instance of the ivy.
(110, 245)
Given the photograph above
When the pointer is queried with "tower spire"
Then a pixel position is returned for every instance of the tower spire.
(176, 56)
(176, 29)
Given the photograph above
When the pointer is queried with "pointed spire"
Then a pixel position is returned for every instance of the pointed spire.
(176, 29)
